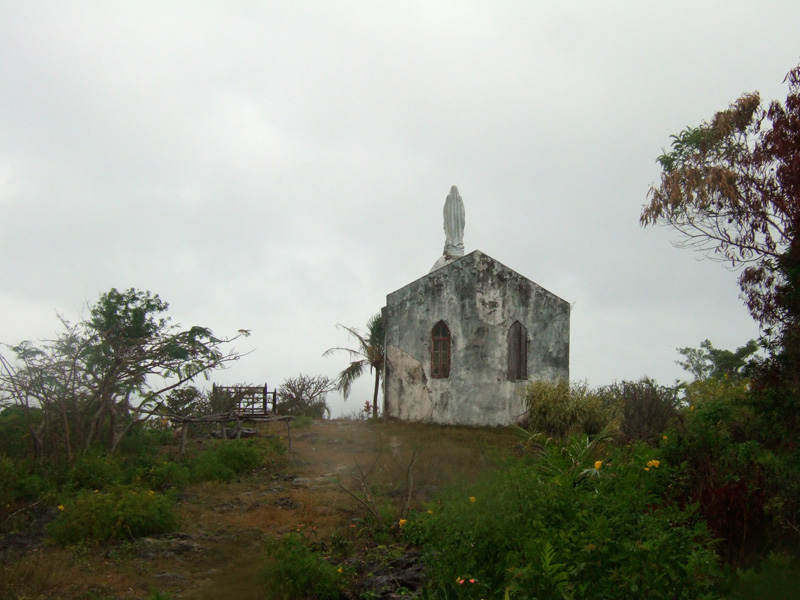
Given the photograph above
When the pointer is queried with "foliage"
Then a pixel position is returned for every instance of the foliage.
(106, 374)
(227, 459)
(293, 571)
(568, 525)
(369, 354)
(17, 487)
(164, 475)
(185, 401)
(748, 491)
(710, 362)
(647, 409)
(305, 395)
(122, 512)
(95, 470)
(15, 438)
(559, 409)
(778, 578)
(730, 188)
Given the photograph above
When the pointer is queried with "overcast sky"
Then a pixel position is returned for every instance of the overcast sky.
(282, 166)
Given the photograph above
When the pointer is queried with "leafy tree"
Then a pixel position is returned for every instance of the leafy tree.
(305, 395)
(708, 362)
(369, 354)
(731, 188)
(102, 376)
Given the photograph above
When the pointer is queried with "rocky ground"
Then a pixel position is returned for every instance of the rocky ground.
(218, 550)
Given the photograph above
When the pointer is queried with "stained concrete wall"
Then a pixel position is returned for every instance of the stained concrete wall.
(479, 299)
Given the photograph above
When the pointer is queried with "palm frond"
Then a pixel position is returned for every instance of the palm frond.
(346, 378)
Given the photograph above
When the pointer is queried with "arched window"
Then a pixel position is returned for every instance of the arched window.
(517, 352)
(440, 351)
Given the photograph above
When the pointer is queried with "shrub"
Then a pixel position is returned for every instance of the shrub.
(292, 570)
(560, 408)
(17, 487)
(748, 493)
(15, 437)
(94, 471)
(648, 409)
(553, 528)
(122, 513)
(164, 475)
(305, 395)
(228, 459)
(777, 578)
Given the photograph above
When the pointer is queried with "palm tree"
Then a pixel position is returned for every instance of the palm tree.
(369, 354)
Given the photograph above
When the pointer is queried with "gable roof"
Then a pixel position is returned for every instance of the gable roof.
(475, 257)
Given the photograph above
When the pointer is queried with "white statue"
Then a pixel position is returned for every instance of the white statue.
(453, 224)
(453, 229)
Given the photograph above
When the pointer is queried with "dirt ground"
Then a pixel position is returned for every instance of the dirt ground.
(218, 550)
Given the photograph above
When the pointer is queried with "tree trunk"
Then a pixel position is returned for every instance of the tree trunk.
(375, 395)
(184, 433)
(93, 428)
(65, 424)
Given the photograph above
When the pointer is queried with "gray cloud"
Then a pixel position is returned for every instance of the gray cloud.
(282, 166)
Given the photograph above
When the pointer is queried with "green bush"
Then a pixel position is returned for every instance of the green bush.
(17, 487)
(749, 493)
(164, 475)
(568, 525)
(94, 471)
(777, 578)
(122, 512)
(293, 571)
(648, 409)
(559, 409)
(15, 436)
(228, 459)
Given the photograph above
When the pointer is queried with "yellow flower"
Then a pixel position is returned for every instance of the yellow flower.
(653, 463)
(647, 468)
(472, 499)
(598, 464)
(339, 570)
(430, 512)
(60, 507)
(691, 407)
(402, 522)
(665, 438)
(150, 492)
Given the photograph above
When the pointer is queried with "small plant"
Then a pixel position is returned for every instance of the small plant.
(292, 570)
(122, 513)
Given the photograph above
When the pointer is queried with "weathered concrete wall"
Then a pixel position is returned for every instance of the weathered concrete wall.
(479, 299)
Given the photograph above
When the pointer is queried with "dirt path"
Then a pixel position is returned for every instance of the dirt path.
(223, 526)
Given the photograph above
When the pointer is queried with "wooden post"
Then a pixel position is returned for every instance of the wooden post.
(184, 432)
